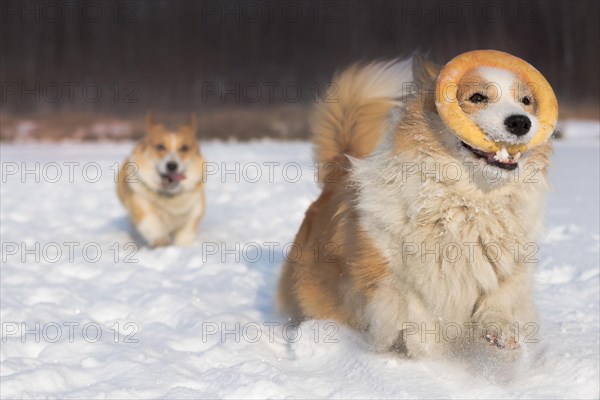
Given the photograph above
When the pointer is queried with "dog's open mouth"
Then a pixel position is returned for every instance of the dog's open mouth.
(501, 159)
(171, 179)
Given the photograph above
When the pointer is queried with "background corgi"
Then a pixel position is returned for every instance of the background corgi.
(161, 185)
(388, 211)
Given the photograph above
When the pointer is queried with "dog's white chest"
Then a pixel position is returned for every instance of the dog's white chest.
(445, 244)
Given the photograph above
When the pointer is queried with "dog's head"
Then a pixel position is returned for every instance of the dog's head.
(497, 106)
(503, 106)
(171, 160)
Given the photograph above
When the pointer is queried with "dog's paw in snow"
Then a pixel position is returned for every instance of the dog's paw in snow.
(185, 238)
(500, 336)
(160, 242)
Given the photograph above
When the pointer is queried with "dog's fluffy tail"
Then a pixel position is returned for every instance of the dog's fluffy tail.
(352, 120)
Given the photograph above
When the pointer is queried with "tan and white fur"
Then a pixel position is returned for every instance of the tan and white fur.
(161, 184)
(397, 185)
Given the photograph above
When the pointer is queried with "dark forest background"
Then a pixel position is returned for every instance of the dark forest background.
(253, 68)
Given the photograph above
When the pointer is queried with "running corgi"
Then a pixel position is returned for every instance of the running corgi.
(161, 184)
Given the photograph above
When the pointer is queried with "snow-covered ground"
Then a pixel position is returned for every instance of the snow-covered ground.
(98, 317)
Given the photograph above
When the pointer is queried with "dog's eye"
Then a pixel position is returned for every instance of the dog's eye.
(478, 98)
(160, 147)
(185, 148)
(526, 100)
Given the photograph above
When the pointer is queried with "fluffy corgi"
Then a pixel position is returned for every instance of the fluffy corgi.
(161, 186)
(422, 236)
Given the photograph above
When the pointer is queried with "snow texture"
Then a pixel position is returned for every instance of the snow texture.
(179, 301)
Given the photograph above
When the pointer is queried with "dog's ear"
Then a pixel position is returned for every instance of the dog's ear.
(424, 71)
(425, 74)
(193, 125)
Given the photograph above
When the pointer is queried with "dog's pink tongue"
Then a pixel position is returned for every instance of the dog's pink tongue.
(177, 177)
(490, 157)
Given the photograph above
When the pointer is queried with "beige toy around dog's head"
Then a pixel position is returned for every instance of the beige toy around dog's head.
(496, 102)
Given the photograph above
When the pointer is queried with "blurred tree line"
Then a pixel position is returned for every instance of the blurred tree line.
(124, 57)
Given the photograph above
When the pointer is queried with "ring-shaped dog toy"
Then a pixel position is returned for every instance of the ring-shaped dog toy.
(455, 119)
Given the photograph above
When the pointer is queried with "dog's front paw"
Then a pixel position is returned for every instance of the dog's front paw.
(165, 241)
(185, 238)
(500, 335)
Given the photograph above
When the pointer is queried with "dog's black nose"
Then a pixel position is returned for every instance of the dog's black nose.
(172, 166)
(518, 124)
